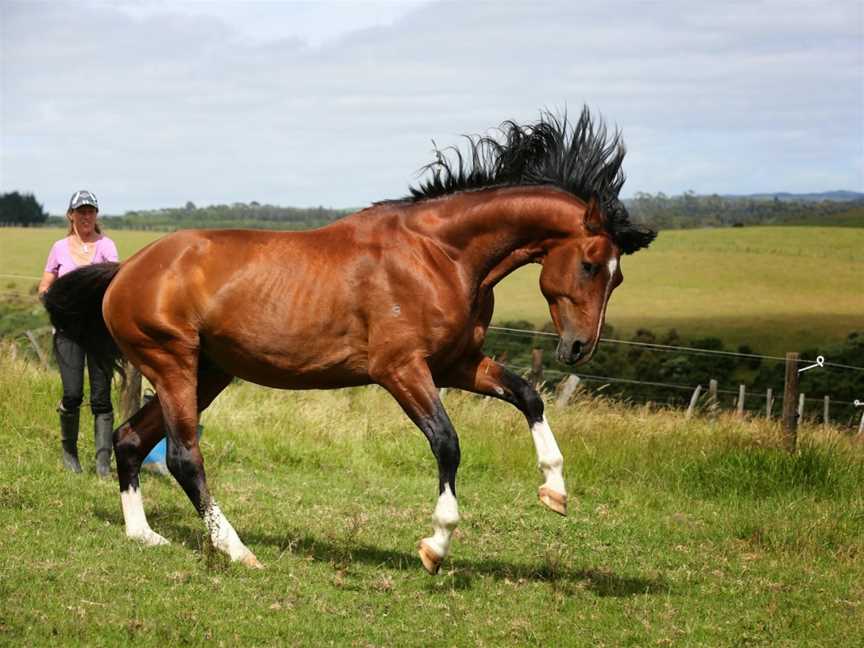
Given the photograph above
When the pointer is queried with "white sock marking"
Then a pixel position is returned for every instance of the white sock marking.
(549, 458)
(444, 520)
(137, 527)
(222, 534)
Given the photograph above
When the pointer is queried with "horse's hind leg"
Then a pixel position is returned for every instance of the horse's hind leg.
(180, 406)
(132, 442)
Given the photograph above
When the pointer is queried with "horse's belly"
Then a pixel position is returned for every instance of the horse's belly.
(301, 365)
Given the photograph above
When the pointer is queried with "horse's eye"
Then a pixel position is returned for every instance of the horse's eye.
(590, 269)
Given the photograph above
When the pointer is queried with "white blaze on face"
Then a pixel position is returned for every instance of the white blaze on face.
(612, 266)
(444, 520)
(137, 527)
(549, 458)
(222, 534)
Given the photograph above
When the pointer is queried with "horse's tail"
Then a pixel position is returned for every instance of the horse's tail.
(74, 303)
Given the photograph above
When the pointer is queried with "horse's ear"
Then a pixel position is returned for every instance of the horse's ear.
(594, 216)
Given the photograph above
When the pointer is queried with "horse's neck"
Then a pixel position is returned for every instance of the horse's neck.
(494, 232)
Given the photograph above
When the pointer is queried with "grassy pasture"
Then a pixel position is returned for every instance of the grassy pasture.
(853, 217)
(774, 288)
(698, 533)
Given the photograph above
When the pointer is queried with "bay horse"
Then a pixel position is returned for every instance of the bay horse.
(399, 294)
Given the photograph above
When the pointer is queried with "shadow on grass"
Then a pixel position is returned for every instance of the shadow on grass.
(460, 573)
(181, 528)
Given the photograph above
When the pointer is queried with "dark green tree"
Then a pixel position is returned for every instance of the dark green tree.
(21, 209)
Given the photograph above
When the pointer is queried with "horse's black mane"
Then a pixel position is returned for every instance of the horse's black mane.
(578, 158)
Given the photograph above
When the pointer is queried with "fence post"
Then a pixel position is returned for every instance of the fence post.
(742, 394)
(712, 396)
(861, 425)
(826, 419)
(801, 397)
(769, 403)
(130, 397)
(537, 367)
(693, 399)
(790, 398)
(565, 393)
(39, 353)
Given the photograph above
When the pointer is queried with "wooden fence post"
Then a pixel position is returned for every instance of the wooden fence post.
(693, 399)
(826, 419)
(712, 396)
(790, 401)
(801, 398)
(566, 390)
(742, 394)
(861, 425)
(130, 397)
(39, 353)
(769, 403)
(537, 367)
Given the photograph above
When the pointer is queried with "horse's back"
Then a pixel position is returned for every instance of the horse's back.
(264, 306)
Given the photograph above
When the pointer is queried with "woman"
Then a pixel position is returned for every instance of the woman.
(83, 245)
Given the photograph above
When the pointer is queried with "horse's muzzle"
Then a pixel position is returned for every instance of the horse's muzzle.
(570, 351)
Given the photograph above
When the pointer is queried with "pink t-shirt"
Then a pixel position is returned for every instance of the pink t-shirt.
(60, 259)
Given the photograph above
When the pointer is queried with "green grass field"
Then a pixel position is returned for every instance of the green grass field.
(680, 533)
(774, 288)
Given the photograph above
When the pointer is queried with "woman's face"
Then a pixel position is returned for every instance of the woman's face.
(84, 219)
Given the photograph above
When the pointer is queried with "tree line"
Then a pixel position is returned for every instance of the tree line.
(687, 210)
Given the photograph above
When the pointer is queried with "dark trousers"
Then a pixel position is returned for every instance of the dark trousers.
(70, 358)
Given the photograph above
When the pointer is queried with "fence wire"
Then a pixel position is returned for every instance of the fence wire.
(671, 348)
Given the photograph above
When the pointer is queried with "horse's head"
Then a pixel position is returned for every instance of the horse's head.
(579, 274)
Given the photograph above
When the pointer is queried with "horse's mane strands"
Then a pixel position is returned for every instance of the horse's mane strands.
(579, 158)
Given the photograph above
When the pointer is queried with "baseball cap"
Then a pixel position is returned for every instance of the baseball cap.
(81, 198)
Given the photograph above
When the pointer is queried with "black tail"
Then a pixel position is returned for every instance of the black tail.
(74, 303)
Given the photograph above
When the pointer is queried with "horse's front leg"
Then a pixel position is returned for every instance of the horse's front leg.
(482, 375)
(412, 386)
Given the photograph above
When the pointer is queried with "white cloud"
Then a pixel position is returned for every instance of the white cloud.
(335, 104)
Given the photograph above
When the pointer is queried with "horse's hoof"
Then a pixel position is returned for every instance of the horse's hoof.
(251, 561)
(148, 538)
(553, 500)
(431, 560)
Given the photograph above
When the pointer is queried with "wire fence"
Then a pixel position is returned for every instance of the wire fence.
(749, 398)
(651, 383)
(671, 348)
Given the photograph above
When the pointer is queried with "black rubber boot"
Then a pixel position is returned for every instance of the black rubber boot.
(69, 439)
(103, 432)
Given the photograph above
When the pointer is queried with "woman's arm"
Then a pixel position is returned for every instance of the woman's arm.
(47, 279)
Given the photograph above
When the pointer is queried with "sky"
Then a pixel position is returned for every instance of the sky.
(153, 104)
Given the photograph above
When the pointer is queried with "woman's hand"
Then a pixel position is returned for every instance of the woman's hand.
(48, 278)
